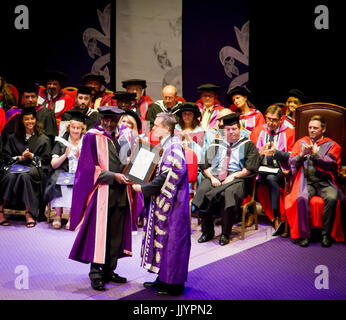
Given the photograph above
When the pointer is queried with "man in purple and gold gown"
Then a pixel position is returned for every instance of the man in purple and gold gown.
(167, 239)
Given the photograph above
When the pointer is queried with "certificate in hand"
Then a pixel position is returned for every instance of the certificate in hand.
(19, 168)
(65, 178)
(142, 163)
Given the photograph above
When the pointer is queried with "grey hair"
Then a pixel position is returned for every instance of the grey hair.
(168, 120)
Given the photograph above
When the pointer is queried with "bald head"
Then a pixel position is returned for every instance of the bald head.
(169, 96)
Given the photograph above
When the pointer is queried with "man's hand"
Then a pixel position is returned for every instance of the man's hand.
(228, 179)
(268, 149)
(137, 187)
(307, 149)
(215, 182)
(120, 178)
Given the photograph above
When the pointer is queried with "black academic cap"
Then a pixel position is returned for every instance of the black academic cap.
(135, 116)
(140, 82)
(110, 111)
(77, 115)
(188, 106)
(29, 86)
(55, 75)
(209, 87)
(84, 90)
(124, 95)
(230, 119)
(238, 90)
(94, 77)
(297, 94)
(29, 110)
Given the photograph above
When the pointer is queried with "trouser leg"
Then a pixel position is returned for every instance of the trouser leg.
(229, 217)
(207, 222)
(96, 271)
(330, 198)
(114, 238)
(274, 182)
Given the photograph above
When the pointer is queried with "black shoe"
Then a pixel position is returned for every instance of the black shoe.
(280, 229)
(304, 243)
(326, 241)
(113, 277)
(98, 284)
(205, 238)
(154, 285)
(223, 240)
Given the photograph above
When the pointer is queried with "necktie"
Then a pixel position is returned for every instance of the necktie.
(224, 171)
(51, 104)
(206, 119)
(270, 161)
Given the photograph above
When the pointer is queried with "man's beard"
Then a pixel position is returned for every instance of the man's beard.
(51, 91)
(82, 107)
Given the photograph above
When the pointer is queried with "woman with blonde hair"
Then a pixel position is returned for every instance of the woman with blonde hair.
(65, 156)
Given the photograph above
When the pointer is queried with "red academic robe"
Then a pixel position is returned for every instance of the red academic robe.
(103, 99)
(284, 143)
(288, 121)
(297, 204)
(2, 118)
(61, 103)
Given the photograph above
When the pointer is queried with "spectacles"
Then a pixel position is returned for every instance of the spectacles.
(272, 120)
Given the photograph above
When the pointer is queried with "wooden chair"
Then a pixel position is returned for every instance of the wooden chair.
(248, 202)
(335, 117)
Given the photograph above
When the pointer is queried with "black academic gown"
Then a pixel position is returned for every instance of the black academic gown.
(27, 187)
(233, 192)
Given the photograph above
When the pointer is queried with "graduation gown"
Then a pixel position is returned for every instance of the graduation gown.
(327, 164)
(288, 121)
(252, 119)
(248, 158)
(26, 187)
(212, 123)
(91, 120)
(167, 232)
(2, 118)
(43, 115)
(61, 103)
(97, 198)
(284, 141)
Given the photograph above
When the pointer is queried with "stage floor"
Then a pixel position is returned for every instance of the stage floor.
(34, 262)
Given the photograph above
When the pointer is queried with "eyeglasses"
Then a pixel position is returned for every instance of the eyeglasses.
(272, 119)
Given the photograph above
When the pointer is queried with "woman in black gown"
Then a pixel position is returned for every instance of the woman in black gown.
(27, 155)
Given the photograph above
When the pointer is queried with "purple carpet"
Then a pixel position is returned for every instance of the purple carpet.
(275, 270)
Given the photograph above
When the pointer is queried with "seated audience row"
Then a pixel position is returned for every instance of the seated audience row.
(238, 138)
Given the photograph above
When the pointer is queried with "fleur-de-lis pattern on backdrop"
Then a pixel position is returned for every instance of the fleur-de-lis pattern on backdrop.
(92, 39)
(173, 73)
(230, 57)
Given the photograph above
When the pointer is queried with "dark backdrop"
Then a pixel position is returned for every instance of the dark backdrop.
(287, 51)
(52, 42)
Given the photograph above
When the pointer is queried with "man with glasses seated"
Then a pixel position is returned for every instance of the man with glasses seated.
(274, 141)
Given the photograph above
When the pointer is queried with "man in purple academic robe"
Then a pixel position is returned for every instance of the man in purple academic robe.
(99, 204)
(167, 239)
